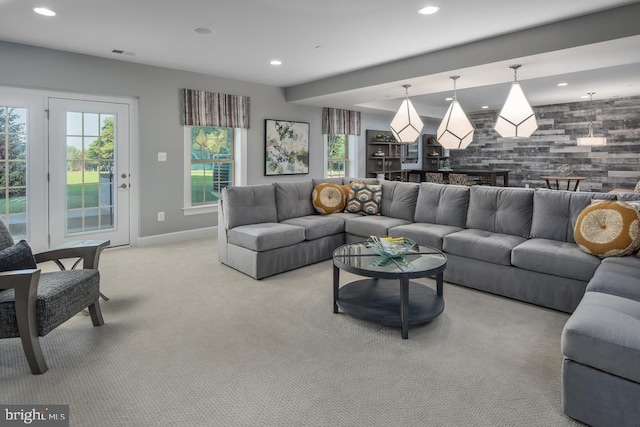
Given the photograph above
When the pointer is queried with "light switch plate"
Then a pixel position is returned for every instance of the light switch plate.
(162, 157)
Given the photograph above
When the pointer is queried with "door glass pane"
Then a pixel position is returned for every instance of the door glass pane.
(90, 189)
(13, 169)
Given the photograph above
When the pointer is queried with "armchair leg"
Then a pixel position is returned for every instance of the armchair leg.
(28, 327)
(104, 297)
(96, 314)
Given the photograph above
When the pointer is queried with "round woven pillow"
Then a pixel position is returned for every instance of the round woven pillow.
(608, 228)
(328, 197)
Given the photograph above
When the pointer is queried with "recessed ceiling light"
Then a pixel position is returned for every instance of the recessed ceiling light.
(203, 31)
(44, 11)
(563, 84)
(275, 62)
(448, 99)
(485, 107)
(428, 10)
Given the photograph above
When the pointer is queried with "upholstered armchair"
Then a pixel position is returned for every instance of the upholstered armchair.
(459, 179)
(434, 177)
(33, 303)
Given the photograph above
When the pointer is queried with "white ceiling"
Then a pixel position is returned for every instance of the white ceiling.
(326, 39)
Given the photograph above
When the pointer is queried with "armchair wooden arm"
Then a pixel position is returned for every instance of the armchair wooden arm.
(88, 251)
(25, 286)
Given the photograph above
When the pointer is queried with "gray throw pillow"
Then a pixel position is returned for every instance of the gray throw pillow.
(17, 257)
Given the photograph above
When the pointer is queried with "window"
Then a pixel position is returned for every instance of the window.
(337, 156)
(211, 164)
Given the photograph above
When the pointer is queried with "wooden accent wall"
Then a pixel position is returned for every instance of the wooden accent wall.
(616, 165)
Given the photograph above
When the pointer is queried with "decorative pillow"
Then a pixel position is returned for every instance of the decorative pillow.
(328, 197)
(608, 228)
(637, 189)
(17, 257)
(364, 198)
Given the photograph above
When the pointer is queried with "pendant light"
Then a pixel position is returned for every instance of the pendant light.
(516, 119)
(406, 125)
(590, 139)
(455, 131)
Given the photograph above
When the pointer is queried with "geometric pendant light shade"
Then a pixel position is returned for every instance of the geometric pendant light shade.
(590, 139)
(516, 119)
(406, 125)
(455, 131)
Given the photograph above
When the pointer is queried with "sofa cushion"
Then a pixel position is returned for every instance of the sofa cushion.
(399, 199)
(293, 199)
(562, 259)
(603, 333)
(364, 198)
(482, 245)
(316, 181)
(348, 180)
(608, 228)
(17, 257)
(424, 234)
(249, 205)
(60, 296)
(617, 276)
(365, 226)
(317, 226)
(555, 212)
(442, 204)
(501, 210)
(328, 198)
(265, 236)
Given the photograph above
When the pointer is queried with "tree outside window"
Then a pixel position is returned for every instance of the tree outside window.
(337, 155)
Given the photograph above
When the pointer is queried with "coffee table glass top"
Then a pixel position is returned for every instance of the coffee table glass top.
(362, 258)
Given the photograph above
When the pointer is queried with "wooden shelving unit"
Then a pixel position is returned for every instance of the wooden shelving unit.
(434, 156)
(384, 155)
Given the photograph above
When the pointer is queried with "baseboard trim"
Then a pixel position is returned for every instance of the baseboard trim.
(178, 236)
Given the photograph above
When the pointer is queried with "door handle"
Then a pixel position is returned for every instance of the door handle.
(123, 185)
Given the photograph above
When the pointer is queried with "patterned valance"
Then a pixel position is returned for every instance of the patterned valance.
(336, 121)
(201, 108)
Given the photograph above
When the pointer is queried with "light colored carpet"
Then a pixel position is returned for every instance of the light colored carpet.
(189, 342)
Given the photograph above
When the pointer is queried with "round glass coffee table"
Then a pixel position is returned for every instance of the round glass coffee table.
(389, 297)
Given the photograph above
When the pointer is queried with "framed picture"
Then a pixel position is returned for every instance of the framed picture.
(286, 147)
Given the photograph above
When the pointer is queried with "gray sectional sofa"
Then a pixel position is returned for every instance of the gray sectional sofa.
(513, 242)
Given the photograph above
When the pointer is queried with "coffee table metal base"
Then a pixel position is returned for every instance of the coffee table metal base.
(383, 301)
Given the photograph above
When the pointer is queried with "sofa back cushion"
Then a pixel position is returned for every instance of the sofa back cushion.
(555, 212)
(442, 204)
(399, 199)
(501, 210)
(316, 181)
(251, 204)
(348, 180)
(293, 199)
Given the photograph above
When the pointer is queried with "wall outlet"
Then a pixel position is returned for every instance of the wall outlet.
(160, 216)
(162, 157)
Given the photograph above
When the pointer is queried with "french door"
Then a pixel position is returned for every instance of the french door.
(23, 196)
(89, 177)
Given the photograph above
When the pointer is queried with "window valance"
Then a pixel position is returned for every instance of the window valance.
(202, 108)
(337, 121)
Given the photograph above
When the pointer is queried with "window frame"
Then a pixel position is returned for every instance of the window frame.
(350, 158)
(239, 169)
